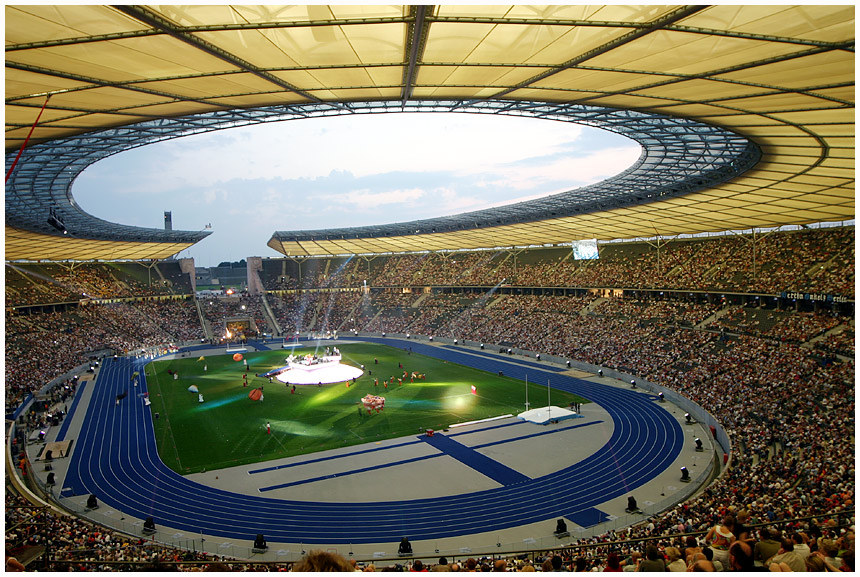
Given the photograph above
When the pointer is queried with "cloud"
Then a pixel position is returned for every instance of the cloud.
(567, 171)
(209, 196)
(369, 199)
(347, 171)
(362, 145)
(454, 200)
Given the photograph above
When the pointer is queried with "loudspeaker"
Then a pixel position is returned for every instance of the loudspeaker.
(631, 504)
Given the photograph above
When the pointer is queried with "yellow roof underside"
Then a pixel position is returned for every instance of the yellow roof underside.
(33, 246)
(780, 75)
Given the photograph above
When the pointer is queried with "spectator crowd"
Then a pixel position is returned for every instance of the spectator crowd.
(781, 382)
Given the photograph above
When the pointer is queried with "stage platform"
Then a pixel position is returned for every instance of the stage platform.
(545, 415)
(330, 370)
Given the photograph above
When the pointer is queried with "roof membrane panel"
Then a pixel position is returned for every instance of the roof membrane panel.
(780, 76)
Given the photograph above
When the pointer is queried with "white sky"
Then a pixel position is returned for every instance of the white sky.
(343, 171)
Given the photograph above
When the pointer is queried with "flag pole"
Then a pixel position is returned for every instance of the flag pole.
(527, 392)
(548, 403)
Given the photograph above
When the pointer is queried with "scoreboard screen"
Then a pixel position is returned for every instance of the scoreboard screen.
(585, 249)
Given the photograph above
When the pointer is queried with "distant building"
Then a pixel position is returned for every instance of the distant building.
(225, 275)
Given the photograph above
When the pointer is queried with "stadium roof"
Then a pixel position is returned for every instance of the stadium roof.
(101, 79)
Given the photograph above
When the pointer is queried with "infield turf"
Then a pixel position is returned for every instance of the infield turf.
(229, 429)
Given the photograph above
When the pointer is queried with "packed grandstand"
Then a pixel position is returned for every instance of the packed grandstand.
(776, 369)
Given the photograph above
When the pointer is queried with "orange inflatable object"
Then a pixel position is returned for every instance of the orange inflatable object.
(237, 357)
(255, 395)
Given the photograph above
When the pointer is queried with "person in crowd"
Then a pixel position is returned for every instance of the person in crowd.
(786, 557)
(828, 551)
(691, 548)
(800, 545)
(768, 544)
(815, 564)
(847, 561)
(13, 565)
(631, 563)
(720, 537)
(675, 562)
(653, 560)
(741, 558)
(740, 529)
(322, 561)
(613, 563)
(703, 566)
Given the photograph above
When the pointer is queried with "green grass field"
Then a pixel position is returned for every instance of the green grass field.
(229, 429)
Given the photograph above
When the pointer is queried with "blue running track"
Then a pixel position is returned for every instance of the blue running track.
(115, 457)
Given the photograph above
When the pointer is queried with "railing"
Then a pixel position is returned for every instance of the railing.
(288, 553)
(89, 559)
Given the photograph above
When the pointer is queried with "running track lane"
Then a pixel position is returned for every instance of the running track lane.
(116, 459)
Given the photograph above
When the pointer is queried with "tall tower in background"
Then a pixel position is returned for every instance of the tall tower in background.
(168, 220)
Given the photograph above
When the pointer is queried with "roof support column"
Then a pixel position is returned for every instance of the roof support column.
(415, 42)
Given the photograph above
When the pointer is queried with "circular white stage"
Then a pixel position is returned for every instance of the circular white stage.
(323, 373)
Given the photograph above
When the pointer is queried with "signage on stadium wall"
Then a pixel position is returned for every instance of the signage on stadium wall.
(815, 297)
(585, 249)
